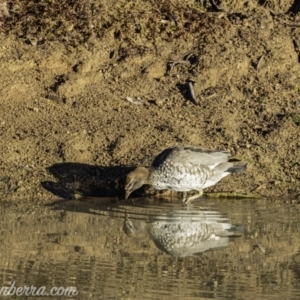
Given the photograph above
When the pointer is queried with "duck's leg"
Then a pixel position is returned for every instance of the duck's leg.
(165, 193)
(188, 200)
(171, 195)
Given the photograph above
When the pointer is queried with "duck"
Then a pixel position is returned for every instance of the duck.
(184, 169)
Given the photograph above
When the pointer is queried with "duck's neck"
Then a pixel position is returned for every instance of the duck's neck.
(143, 173)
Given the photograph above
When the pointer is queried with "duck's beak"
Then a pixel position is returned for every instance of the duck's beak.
(127, 193)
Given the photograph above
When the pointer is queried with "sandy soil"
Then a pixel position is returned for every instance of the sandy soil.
(67, 127)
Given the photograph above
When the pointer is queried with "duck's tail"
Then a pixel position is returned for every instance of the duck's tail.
(228, 167)
(222, 170)
(238, 168)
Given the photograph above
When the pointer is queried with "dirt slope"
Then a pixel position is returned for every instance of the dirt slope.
(64, 102)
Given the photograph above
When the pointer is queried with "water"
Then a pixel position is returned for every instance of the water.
(220, 249)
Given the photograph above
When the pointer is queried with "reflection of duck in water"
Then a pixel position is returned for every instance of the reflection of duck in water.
(181, 234)
(183, 169)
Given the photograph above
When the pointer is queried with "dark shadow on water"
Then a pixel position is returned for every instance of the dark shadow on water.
(86, 180)
(111, 206)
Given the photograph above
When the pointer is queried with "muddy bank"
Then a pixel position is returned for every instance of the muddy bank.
(62, 103)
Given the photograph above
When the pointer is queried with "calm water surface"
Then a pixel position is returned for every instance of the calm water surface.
(149, 249)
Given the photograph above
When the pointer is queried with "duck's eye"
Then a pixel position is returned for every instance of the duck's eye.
(129, 185)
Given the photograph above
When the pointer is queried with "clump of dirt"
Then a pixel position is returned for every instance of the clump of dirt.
(68, 70)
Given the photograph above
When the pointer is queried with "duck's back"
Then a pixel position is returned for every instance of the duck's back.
(190, 154)
(184, 168)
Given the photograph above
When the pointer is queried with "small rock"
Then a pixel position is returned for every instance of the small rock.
(56, 98)
(159, 102)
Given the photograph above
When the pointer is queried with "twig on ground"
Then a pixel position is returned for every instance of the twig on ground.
(259, 62)
(191, 88)
(176, 62)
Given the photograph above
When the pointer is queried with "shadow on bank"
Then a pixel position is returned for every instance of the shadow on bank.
(82, 180)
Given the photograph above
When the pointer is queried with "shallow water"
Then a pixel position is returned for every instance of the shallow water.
(149, 249)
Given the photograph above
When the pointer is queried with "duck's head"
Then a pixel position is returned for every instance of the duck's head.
(135, 179)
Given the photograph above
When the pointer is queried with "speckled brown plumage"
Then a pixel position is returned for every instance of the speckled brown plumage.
(183, 168)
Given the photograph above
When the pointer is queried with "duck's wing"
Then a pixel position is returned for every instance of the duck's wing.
(190, 155)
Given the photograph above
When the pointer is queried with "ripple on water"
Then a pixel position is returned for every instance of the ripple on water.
(223, 249)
